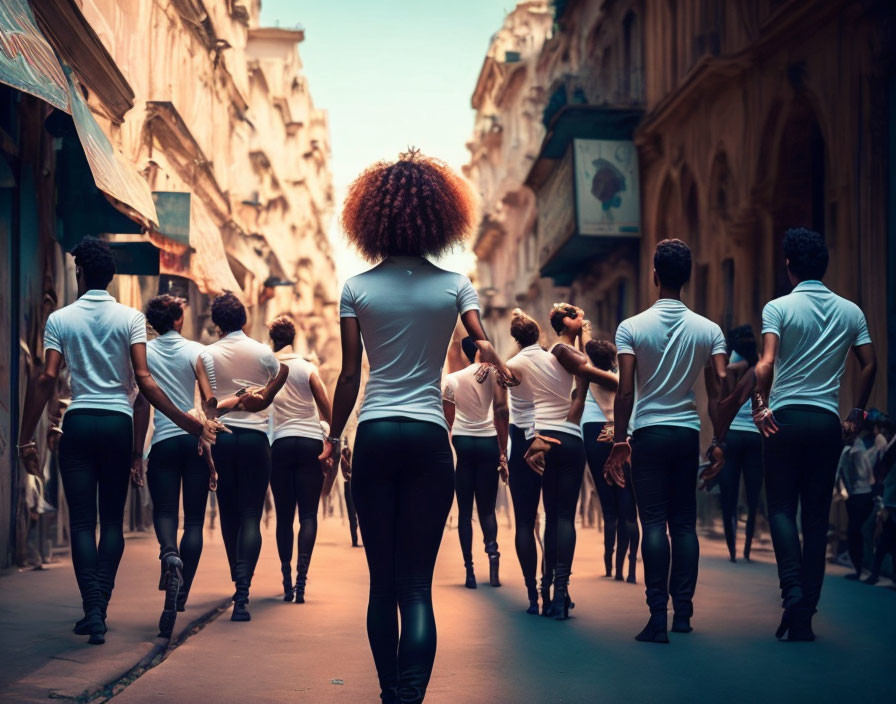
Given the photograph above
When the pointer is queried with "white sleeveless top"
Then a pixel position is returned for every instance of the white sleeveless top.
(295, 412)
(474, 415)
(522, 402)
(552, 389)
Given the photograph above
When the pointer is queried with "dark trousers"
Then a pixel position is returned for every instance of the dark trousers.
(616, 503)
(173, 463)
(562, 480)
(743, 455)
(243, 461)
(476, 477)
(800, 467)
(664, 475)
(403, 486)
(858, 509)
(296, 481)
(525, 492)
(94, 462)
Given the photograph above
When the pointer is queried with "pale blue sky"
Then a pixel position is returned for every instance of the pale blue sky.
(391, 73)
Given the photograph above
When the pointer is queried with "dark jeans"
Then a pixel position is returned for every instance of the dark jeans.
(243, 461)
(664, 475)
(858, 509)
(172, 463)
(476, 476)
(403, 486)
(525, 492)
(95, 461)
(743, 454)
(800, 467)
(562, 480)
(296, 481)
(616, 503)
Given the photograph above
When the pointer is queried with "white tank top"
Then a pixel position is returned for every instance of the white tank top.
(551, 387)
(522, 402)
(295, 412)
(473, 412)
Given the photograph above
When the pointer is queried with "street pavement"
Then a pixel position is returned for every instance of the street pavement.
(490, 650)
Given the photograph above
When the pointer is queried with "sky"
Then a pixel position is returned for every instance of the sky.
(391, 73)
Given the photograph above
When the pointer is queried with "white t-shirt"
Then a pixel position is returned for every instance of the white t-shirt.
(241, 362)
(816, 328)
(94, 335)
(295, 412)
(552, 389)
(671, 344)
(473, 412)
(598, 404)
(172, 361)
(407, 309)
(522, 402)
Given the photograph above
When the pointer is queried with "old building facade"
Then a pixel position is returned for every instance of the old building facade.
(188, 137)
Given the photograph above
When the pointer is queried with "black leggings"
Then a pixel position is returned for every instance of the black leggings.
(243, 461)
(95, 459)
(403, 486)
(562, 480)
(525, 492)
(800, 467)
(296, 480)
(616, 503)
(477, 475)
(664, 476)
(173, 462)
(742, 454)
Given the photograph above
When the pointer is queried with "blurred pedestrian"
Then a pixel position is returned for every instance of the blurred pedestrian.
(345, 461)
(855, 472)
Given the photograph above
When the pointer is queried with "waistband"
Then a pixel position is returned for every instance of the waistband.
(96, 412)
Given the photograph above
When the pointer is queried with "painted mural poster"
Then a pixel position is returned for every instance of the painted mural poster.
(607, 195)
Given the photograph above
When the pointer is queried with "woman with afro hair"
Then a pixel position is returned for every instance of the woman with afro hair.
(404, 310)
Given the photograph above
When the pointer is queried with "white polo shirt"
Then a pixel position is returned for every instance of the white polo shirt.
(816, 329)
(407, 309)
(522, 401)
(552, 389)
(172, 362)
(295, 412)
(94, 335)
(241, 362)
(671, 345)
(473, 412)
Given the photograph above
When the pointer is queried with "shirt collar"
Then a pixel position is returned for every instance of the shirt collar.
(97, 294)
(170, 334)
(810, 285)
(235, 333)
(669, 303)
(531, 348)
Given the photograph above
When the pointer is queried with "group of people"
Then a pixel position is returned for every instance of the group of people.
(627, 409)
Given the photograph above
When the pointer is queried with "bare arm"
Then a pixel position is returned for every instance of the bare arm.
(258, 401)
(319, 391)
(473, 325)
(39, 391)
(349, 383)
(868, 363)
(154, 394)
(141, 423)
(449, 409)
(625, 397)
(765, 367)
(715, 373)
(576, 362)
(501, 412)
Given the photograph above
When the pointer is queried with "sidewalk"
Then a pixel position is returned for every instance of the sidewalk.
(41, 658)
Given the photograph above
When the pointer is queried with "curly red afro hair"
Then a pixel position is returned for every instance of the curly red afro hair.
(414, 206)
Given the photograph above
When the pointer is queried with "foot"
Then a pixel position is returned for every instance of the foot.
(493, 563)
(173, 583)
(619, 577)
(545, 601)
(533, 608)
(801, 626)
(631, 578)
(872, 579)
(300, 594)
(240, 612)
(681, 624)
(182, 600)
(470, 582)
(784, 626)
(655, 630)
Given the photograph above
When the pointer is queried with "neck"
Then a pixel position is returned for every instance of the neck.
(569, 338)
(667, 292)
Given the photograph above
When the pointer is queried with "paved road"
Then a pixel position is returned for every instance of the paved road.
(491, 651)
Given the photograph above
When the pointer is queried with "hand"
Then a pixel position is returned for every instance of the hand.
(53, 435)
(586, 325)
(329, 451)
(346, 470)
(210, 429)
(137, 476)
(205, 450)
(482, 373)
(29, 456)
(614, 468)
(535, 455)
(503, 469)
(252, 401)
(606, 433)
(490, 358)
(765, 421)
(716, 456)
(210, 407)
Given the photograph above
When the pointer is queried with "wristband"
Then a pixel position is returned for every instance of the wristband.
(333, 440)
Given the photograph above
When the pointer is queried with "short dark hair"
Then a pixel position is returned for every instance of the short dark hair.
(602, 353)
(672, 263)
(282, 332)
(470, 348)
(558, 315)
(94, 256)
(163, 311)
(524, 330)
(743, 341)
(806, 253)
(228, 312)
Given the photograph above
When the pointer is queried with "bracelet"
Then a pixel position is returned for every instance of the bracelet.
(717, 443)
(333, 440)
(27, 445)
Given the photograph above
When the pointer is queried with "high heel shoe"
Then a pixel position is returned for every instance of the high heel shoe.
(302, 577)
(608, 563)
(632, 565)
(533, 600)
(801, 625)
(561, 603)
(289, 591)
(470, 581)
(173, 583)
(493, 564)
(656, 629)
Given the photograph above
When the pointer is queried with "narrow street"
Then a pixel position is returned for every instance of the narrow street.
(490, 650)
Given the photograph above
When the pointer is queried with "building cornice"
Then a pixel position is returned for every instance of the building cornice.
(277, 34)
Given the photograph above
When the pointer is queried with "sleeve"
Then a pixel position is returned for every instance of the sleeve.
(347, 303)
(771, 319)
(270, 363)
(209, 365)
(625, 340)
(862, 336)
(52, 336)
(448, 389)
(137, 332)
(718, 341)
(467, 298)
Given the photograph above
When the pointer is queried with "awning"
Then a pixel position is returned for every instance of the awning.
(173, 209)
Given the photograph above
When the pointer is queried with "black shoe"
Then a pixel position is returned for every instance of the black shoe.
(493, 564)
(533, 600)
(173, 583)
(560, 605)
(182, 599)
(302, 577)
(871, 579)
(801, 625)
(240, 611)
(632, 564)
(94, 626)
(784, 626)
(655, 630)
(289, 591)
(470, 582)
(853, 576)
(681, 623)
(608, 563)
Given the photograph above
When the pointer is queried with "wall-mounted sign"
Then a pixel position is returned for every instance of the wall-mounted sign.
(607, 188)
